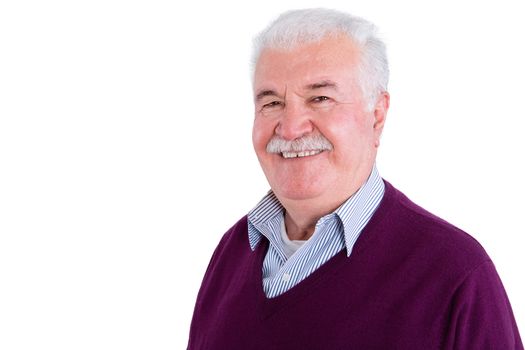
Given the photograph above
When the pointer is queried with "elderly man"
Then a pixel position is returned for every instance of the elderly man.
(334, 257)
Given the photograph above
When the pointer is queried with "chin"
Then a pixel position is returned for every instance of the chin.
(297, 192)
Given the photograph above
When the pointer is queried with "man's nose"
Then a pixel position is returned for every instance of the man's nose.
(295, 122)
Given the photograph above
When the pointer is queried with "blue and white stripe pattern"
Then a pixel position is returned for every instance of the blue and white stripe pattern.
(332, 234)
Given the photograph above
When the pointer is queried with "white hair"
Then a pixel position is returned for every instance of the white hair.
(297, 27)
(310, 142)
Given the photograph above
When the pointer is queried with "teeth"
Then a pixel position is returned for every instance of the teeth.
(300, 154)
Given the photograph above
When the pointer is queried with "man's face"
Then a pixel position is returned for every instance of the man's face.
(312, 91)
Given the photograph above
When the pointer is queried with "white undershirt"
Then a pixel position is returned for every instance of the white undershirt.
(289, 247)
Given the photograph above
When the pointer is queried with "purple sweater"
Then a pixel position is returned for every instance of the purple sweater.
(413, 281)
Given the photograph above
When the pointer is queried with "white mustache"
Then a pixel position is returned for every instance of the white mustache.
(305, 143)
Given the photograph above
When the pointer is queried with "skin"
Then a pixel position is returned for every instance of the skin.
(313, 89)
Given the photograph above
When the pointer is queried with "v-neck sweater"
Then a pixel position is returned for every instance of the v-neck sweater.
(413, 281)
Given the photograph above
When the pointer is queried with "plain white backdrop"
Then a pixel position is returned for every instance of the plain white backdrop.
(125, 151)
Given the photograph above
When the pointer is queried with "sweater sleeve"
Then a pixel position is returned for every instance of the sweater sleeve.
(481, 315)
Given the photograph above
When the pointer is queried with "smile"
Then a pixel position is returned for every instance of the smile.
(300, 154)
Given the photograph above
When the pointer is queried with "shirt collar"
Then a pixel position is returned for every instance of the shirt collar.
(354, 213)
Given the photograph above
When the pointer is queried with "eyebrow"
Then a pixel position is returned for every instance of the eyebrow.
(265, 93)
(319, 85)
(322, 84)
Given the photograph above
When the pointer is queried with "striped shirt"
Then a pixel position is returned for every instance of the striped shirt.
(333, 233)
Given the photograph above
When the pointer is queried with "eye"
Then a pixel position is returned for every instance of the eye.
(319, 99)
(273, 104)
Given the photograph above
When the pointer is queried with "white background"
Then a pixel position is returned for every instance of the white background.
(125, 151)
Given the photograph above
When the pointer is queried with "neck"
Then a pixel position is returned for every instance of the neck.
(302, 215)
(300, 225)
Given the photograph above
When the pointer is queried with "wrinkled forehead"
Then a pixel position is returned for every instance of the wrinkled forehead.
(297, 42)
(321, 60)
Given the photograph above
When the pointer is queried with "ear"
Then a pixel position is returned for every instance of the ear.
(380, 111)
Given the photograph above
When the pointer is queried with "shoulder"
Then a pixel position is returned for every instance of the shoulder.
(236, 236)
(432, 238)
(481, 315)
(227, 254)
(237, 231)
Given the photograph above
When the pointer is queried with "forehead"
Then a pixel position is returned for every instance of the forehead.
(333, 58)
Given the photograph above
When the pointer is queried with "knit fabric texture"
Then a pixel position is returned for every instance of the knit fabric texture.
(413, 281)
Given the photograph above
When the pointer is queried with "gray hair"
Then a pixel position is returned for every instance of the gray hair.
(297, 27)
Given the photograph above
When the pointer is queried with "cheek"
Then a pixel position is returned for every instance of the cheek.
(350, 134)
(262, 132)
(352, 125)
